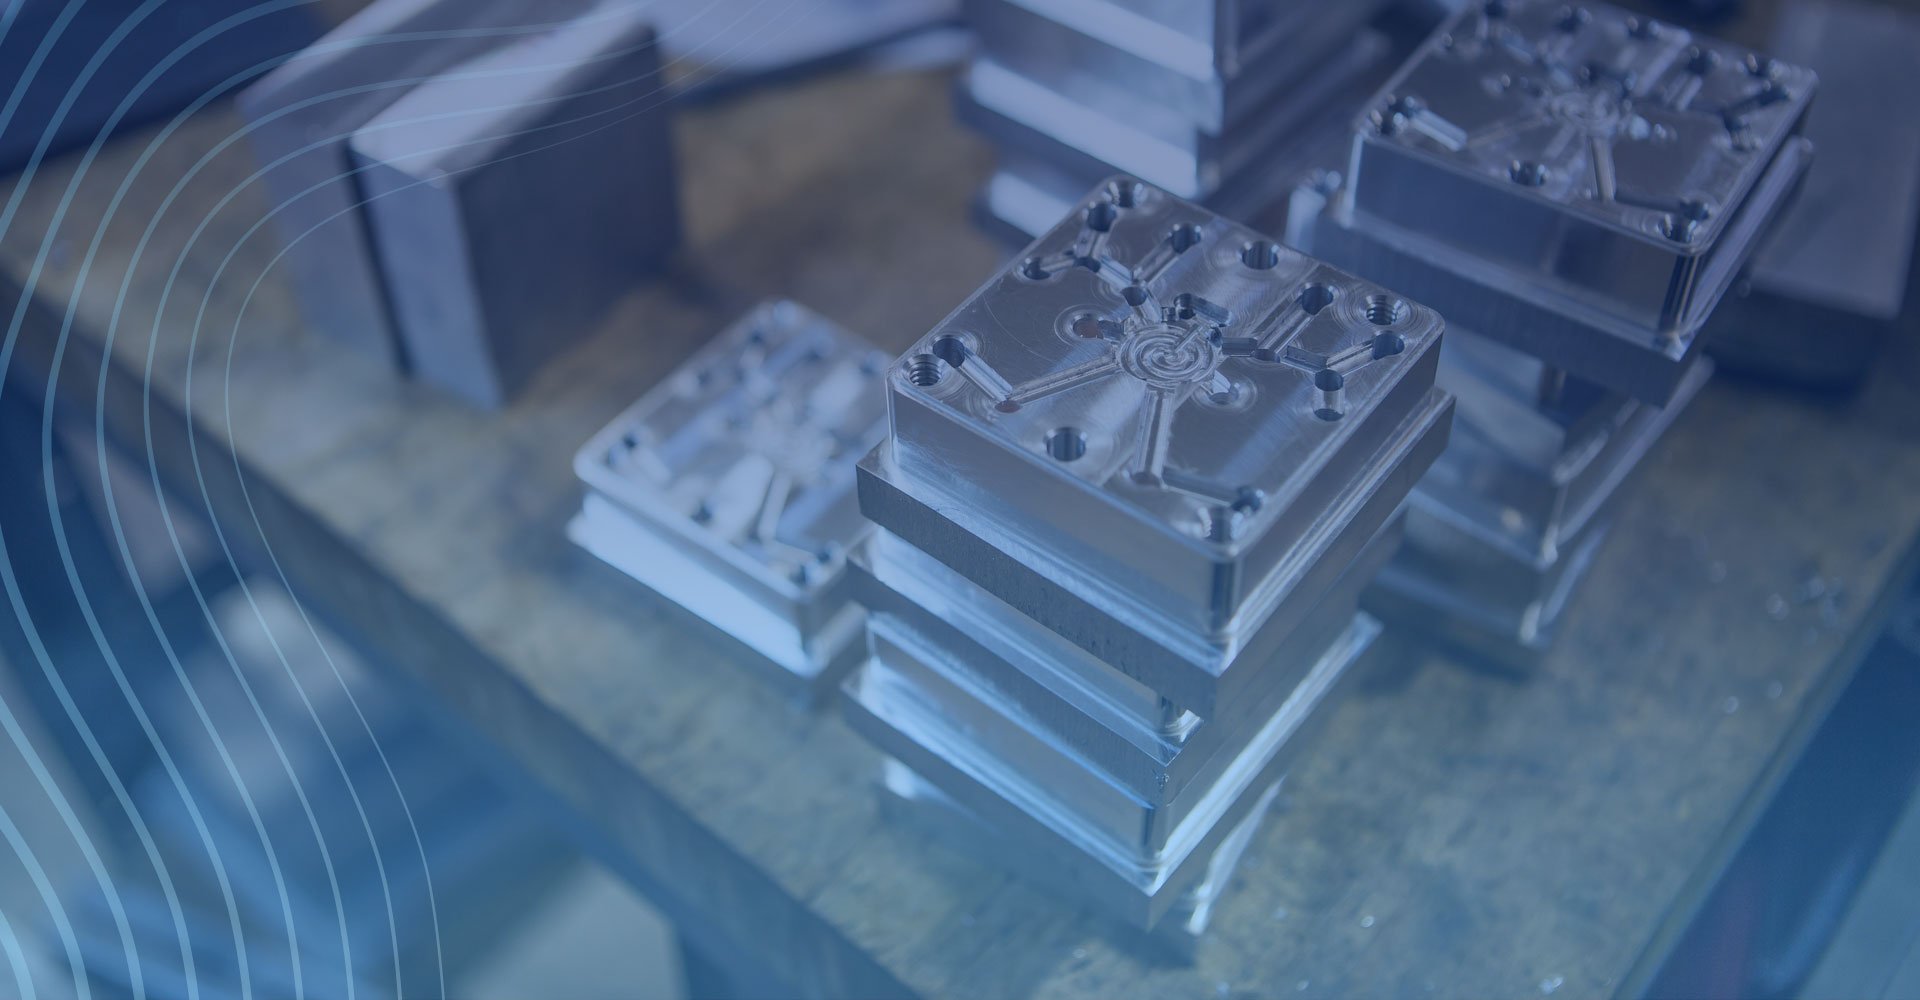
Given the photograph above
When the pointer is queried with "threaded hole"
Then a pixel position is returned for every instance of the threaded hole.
(1385, 310)
(926, 370)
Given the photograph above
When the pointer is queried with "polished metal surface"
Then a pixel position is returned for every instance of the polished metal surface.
(1827, 289)
(1584, 188)
(728, 488)
(1043, 688)
(1118, 852)
(1160, 392)
(515, 197)
(301, 116)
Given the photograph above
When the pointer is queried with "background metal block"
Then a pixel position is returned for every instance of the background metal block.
(301, 116)
(1828, 287)
(1154, 373)
(1119, 65)
(1603, 154)
(728, 488)
(515, 199)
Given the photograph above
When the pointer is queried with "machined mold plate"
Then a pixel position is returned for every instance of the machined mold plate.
(1607, 153)
(1113, 61)
(1160, 404)
(729, 487)
(1049, 811)
(913, 800)
(1050, 690)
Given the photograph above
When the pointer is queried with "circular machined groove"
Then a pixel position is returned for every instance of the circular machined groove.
(1261, 255)
(1067, 444)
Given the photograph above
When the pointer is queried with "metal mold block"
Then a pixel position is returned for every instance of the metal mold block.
(1195, 673)
(1827, 289)
(729, 489)
(301, 116)
(911, 799)
(515, 199)
(1027, 116)
(1606, 153)
(1057, 693)
(1100, 55)
(1154, 373)
(1138, 883)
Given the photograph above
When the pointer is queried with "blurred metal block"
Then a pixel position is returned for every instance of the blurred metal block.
(1146, 433)
(1074, 817)
(301, 116)
(1089, 141)
(1578, 182)
(1130, 62)
(1039, 687)
(1496, 544)
(728, 488)
(1828, 288)
(514, 199)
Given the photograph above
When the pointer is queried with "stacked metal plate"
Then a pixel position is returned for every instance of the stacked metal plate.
(729, 488)
(1206, 100)
(1577, 187)
(1129, 496)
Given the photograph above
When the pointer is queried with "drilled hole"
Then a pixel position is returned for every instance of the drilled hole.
(950, 349)
(1033, 269)
(1184, 237)
(1384, 310)
(1135, 294)
(1102, 216)
(1387, 345)
(1572, 19)
(1067, 444)
(1125, 194)
(1701, 61)
(1261, 255)
(1495, 9)
(926, 370)
(1527, 173)
(1314, 298)
(1328, 380)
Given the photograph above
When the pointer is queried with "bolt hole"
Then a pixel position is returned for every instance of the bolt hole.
(1184, 237)
(1067, 444)
(926, 370)
(1125, 194)
(1387, 345)
(1314, 298)
(1102, 216)
(951, 349)
(1527, 173)
(1384, 310)
(1261, 255)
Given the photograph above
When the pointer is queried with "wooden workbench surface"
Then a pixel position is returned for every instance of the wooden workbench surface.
(1459, 831)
